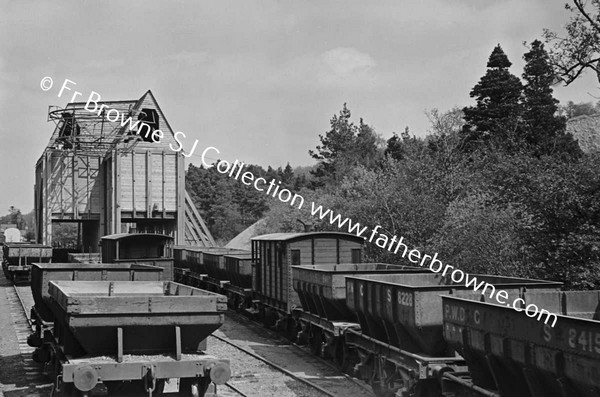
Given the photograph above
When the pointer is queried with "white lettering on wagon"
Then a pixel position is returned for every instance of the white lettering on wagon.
(405, 298)
(454, 313)
(584, 340)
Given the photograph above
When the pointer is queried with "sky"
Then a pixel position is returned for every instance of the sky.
(259, 80)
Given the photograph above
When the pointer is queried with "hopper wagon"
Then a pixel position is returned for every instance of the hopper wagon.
(131, 336)
(401, 344)
(18, 258)
(324, 315)
(512, 353)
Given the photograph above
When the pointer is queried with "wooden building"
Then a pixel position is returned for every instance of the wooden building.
(274, 255)
(107, 178)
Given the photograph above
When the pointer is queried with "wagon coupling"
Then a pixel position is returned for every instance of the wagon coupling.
(150, 380)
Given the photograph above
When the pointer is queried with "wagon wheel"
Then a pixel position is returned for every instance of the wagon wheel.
(380, 381)
(66, 390)
(302, 336)
(193, 387)
(316, 341)
(429, 388)
(345, 358)
(269, 318)
(235, 302)
(291, 329)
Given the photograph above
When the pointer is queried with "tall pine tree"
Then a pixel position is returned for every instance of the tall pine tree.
(496, 117)
(342, 148)
(544, 130)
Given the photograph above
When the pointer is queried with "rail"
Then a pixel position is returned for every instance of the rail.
(273, 334)
(273, 365)
(25, 310)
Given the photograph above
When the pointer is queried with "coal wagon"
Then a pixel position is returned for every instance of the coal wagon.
(18, 258)
(133, 335)
(139, 248)
(401, 343)
(325, 316)
(513, 353)
(218, 269)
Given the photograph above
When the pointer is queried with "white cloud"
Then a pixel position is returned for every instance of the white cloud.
(346, 66)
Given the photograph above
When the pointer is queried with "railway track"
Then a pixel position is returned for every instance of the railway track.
(258, 375)
(257, 326)
(271, 364)
(20, 375)
(294, 365)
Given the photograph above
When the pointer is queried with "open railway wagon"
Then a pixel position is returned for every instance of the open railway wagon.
(512, 353)
(224, 270)
(273, 256)
(324, 316)
(139, 248)
(238, 269)
(180, 257)
(400, 345)
(43, 273)
(131, 336)
(84, 257)
(18, 258)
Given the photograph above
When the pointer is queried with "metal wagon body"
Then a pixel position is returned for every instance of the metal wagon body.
(401, 344)
(18, 258)
(325, 316)
(139, 248)
(135, 335)
(513, 353)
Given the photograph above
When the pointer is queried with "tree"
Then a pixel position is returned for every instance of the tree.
(344, 147)
(445, 137)
(287, 175)
(544, 130)
(579, 50)
(480, 236)
(496, 117)
(16, 217)
(226, 205)
(403, 146)
(572, 109)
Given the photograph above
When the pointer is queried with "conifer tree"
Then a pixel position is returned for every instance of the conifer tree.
(496, 117)
(342, 148)
(544, 130)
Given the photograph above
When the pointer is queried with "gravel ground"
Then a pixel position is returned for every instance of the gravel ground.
(257, 379)
(19, 375)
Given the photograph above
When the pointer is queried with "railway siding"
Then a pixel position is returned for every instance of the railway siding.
(19, 374)
(256, 381)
